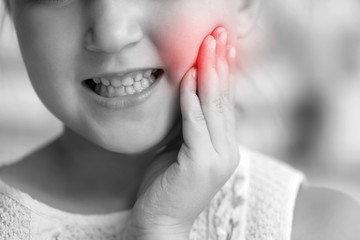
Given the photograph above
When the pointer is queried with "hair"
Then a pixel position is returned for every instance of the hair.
(7, 5)
(4, 10)
(5, 20)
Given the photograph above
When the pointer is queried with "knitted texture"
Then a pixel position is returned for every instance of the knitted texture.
(256, 203)
(222, 220)
(15, 219)
(78, 232)
(273, 189)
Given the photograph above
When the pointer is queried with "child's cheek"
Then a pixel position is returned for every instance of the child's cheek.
(179, 40)
(181, 53)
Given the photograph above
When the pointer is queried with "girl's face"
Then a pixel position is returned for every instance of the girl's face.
(66, 42)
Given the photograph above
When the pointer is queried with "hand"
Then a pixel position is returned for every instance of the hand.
(185, 180)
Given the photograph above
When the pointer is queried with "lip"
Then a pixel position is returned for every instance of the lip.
(121, 102)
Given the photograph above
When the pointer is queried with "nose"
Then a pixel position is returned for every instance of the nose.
(113, 27)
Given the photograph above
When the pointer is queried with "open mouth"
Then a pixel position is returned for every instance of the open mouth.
(129, 84)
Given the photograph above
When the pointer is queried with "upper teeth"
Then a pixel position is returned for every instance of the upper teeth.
(127, 80)
(129, 84)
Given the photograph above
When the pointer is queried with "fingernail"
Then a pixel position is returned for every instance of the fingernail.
(231, 52)
(193, 73)
(223, 37)
(212, 44)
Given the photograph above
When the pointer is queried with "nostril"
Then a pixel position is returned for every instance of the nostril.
(89, 41)
(112, 38)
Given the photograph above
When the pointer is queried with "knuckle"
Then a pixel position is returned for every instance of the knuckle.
(198, 116)
(226, 95)
(218, 104)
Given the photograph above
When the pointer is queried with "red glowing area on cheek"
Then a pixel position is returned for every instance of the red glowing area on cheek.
(182, 54)
(179, 44)
(182, 51)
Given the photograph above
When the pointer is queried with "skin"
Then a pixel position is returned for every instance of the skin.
(88, 42)
(66, 42)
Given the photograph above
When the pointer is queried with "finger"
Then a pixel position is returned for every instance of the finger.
(220, 35)
(230, 106)
(223, 60)
(222, 66)
(209, 91)
(195, 130)
(230, 56)
(208, 80)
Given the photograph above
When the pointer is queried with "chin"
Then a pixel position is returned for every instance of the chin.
(129, 143)
(129, 147)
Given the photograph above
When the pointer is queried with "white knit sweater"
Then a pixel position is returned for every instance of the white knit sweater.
(256, 203)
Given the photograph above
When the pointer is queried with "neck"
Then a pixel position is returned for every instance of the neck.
(81, 157)
(87, 164)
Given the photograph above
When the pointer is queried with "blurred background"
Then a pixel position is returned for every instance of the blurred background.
(298, 97)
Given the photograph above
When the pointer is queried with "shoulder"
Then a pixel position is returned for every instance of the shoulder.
(325, 214)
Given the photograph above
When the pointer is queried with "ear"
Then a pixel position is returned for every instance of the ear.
(248, 12)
